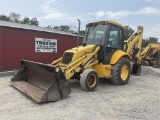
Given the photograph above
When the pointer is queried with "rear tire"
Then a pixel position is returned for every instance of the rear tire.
(121, 72)
(89, 80)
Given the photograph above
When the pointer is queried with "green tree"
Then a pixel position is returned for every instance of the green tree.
(34, 21)
(14, 17)
(82, 32)
(55, 27)
(49, 26)
(149, 40)
(5, 18)
(26, 20)
(64, 28)
(67, 28)
(128, 31)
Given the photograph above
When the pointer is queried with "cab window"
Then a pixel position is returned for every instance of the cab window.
(113, 37)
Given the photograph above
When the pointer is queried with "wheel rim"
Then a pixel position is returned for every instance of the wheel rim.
(124, 72)
(91, 80)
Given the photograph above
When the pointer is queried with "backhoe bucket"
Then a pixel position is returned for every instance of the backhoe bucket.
(136, 69)
(41, 82)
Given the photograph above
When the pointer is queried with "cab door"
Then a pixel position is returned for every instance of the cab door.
(114, 42)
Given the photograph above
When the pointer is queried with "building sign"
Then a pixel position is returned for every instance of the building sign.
(45, 45)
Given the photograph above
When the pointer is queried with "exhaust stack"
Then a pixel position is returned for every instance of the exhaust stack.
(78, 32)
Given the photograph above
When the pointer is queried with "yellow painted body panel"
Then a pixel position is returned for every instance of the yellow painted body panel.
(104, 71)
(82, 54)
(79, 51)
(117, 55)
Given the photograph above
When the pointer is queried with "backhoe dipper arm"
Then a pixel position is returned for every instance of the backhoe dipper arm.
(133, 45)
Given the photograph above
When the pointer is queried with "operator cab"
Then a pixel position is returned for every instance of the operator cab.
(107, 34)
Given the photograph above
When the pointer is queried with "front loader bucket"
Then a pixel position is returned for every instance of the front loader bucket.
(40, 82)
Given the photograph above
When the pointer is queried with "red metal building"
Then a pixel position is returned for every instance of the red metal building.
(17, 41)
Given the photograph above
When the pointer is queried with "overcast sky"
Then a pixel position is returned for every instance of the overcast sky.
(65, 12)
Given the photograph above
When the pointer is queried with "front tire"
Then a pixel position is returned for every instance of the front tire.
(89, 80)
(121, 72)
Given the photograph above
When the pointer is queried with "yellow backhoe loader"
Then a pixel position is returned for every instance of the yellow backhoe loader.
(103, 54)
(150, 54)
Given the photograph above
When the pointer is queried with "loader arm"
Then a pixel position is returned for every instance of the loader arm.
(80, 64)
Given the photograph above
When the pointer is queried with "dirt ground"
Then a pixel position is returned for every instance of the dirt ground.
(138, 100)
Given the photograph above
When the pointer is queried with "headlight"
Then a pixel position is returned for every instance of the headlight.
(57, 69)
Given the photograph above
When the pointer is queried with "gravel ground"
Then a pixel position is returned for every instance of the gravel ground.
(138, 100)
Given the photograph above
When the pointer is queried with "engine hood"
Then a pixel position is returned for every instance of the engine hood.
(77, 52)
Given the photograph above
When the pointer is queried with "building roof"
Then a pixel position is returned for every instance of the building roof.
(32, 27)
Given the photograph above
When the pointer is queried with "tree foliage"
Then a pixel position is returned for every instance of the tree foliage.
(64, 28)
(82, 32)
(5, 18)
(149, 40)
(128, 31)
(34, 21)
(14, 17)
(67, 28)
(25, 20)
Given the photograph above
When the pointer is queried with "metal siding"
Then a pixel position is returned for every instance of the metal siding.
(32, 27)
(17, 44)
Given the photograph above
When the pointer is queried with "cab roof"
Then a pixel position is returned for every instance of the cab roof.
(106, 22)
